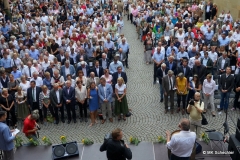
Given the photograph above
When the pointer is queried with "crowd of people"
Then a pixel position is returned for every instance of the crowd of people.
(57, 55)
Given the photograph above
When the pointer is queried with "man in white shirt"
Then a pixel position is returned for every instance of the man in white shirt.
(193, 59)
(46, 63)
(213, 55)
(28, 71)
(38, 80)
(236, 36)
(183, 138)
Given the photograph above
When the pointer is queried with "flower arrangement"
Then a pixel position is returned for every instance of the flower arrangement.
(63, 139)
(33, 142)
(18, 141)
(162, 140)
(46, 141)
(50, 119)
(205, 137)
(134, 140)
(87, 141)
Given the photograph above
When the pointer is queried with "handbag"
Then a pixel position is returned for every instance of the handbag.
(204, 120)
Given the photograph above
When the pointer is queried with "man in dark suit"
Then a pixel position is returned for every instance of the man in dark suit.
(60, 56)
(115, 16)
(56, 99)
(226, 84)
(69, 101)
(118, 74)
(33, 98)
(50, 68)
(82, 55)
(199, 70)
(184, 68)
(67, 57)
(84, 68)
(104, 62)
(237, 91)
(169, 84)
(208, 10)
(171, 65)
(207, 62)
(222, 63)
(98, 70)
(161, 72)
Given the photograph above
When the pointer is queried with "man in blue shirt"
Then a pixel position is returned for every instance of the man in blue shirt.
(5, 62)
(16, 73)
(6, 143)
(5, 31)
(34, 53)
(169, 49)
(208, 36)
(114, 65)
(223, 41)
(158, 59)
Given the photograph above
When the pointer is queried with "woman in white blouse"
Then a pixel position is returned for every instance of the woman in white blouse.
(208, 88)
(121, 105)
(180, 35)
(81, 97)
(81, 77)
(24, 84)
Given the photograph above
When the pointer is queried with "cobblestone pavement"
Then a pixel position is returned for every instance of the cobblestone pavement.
(148, 120)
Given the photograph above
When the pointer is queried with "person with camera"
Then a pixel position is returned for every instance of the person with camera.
(30, 126)
(6, 143)
(115, 147)
(183, 138)
(195, 108)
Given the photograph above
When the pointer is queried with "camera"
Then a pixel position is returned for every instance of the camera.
(191, 102)
(39, 128)
(107, 136)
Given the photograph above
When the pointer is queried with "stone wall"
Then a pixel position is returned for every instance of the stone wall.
(232, 5)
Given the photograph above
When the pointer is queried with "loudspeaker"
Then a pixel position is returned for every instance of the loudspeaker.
(238, 129)
(234, 145)
(65, 150)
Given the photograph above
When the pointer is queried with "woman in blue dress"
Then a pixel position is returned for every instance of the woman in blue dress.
(93, 102)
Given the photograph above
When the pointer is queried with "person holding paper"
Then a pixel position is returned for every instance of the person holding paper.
(6, 143)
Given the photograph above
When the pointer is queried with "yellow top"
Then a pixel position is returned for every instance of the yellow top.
(181, 85)
(199, 24)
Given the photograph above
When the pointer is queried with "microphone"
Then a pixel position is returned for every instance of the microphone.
(213, 130)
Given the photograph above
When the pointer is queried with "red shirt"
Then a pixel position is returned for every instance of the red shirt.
(81, 36)
(28, 124)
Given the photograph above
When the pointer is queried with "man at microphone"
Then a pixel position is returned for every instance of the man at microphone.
(181, 144)
(195, 108)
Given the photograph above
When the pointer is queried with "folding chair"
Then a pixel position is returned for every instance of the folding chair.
(217, 137)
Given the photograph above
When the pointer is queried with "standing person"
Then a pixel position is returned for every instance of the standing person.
(6, 143)
(161, 72)
(33, 98)
(208, 89)
(158, 59)
(226, 84)
(56, 100)
(214, 10)
(169, 83)
(181, 85)
(81, 98)
(44, 102)
(7, 104)
(193, 86)
(120, 7)
(195, 109)
(236, 90)
(183, 138)
(115, 147)
(93, 102)
(69, 101)
(22, 108)
(121, 105)
(208, 11)
(105, 93)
